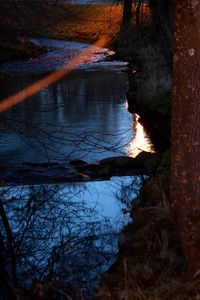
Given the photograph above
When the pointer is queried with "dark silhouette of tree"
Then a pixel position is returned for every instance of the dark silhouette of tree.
(185, 164)
(127, 14)
(139, 3)
(162, 19)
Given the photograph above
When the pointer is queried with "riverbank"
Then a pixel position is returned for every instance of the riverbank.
(150, 264)
(83, 23)
(150, 81)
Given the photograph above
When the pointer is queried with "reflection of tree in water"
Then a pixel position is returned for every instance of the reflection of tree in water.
(79, 117)
(52, 242)
(128, 192)
(62, 143)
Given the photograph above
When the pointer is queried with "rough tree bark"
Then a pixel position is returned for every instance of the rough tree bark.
(185, 153)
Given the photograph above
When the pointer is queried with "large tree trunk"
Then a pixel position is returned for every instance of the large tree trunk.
(185, 156)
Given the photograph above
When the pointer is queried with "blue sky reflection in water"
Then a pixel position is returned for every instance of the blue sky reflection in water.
(67, 233)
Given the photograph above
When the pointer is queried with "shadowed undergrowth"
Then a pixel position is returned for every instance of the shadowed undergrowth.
(151, 264)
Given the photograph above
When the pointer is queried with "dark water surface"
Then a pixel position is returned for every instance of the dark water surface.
(83, 115)
(67, 234)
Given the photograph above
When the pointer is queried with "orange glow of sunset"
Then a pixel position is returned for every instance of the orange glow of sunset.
(140, 141)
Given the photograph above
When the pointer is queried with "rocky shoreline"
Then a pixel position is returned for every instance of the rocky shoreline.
(78, 170)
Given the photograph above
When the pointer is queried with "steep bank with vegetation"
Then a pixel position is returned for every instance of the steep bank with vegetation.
(150, 264)
(148, 46)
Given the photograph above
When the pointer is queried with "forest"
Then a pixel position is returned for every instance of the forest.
(99, 149)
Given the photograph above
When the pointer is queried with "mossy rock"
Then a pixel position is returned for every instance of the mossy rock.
(143, 163)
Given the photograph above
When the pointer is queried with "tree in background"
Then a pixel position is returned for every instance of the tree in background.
(185, 153)
(162, 18)
(127, 14)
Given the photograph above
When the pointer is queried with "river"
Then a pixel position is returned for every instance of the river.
(68, 233)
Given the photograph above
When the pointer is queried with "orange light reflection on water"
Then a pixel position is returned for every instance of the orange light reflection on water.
(140, 141)
(53, 77)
